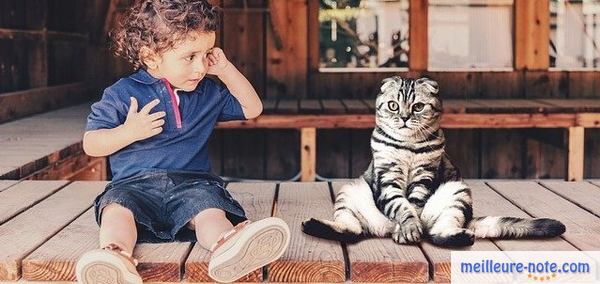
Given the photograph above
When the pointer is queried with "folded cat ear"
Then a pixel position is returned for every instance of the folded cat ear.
(429, 85)
(390, 82)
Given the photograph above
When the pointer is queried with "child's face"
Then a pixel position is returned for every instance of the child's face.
(186, 64)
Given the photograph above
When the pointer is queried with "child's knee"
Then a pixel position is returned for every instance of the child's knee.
(206, 214)
(116, 210)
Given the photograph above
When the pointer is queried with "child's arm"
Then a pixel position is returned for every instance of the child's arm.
(137, 126)
(235, 81)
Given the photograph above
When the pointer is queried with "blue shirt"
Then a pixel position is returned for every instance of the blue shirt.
(182, 145)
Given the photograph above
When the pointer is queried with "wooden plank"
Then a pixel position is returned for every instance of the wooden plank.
(333, 153)
(355, 106)
(308, 154)
(23, 195)
(243, 42)
(439, 257)
(535, 200)
(331, 106)
(574, 105)
(463, 147)
(575, 156)
(545, 85)
(269, 105)
(161, 262)
(501, 154)
(56, 259)
(17, 104)
(583, 84)
(32, 143)
(582, 193)
(283, 157)
(533, 34)
(382, 260)
(507, 106)
(450, 120)
(257, 200)
(308, 259)
(288, 106)
(39, 223)
(5, 184)
(418, 31)
(592, 148)
(311, 106)
(287, 49)
(244, 159)
(487, 202)
(546, 155)
(460, 106)
(590, 120)
(360, 151)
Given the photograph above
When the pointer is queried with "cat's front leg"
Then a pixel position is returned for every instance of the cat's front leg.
(408, 225)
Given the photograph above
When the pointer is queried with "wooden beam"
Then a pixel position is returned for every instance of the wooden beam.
(575, 157)
(308, 154)
(287, 49)
(450, 120)
(41, 35)
(19, 104)
(532, 34)
(417, 40)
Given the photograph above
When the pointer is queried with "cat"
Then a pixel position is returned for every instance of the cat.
(411, 191)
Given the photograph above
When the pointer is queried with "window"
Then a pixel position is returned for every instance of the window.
(363, 34)
(470, 34)
(574, 34)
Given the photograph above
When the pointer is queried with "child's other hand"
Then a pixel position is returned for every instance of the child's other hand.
(217, 62)
(141, 125)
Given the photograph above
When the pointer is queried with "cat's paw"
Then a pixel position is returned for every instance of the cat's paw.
(408, 232)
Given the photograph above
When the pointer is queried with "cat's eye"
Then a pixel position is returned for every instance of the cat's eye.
(393, 106)
(418, 107)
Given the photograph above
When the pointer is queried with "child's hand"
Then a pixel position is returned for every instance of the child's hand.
(217, 62)
(142, 125)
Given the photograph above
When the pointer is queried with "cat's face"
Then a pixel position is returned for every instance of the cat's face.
(408, 108)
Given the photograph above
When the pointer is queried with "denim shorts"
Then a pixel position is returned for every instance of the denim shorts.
(163, 202)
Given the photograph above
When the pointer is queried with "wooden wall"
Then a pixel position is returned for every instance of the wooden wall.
(275, 43)
(52, 43)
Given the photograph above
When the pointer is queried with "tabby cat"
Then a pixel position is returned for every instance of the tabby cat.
(411, 190)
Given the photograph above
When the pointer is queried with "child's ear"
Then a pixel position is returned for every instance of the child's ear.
(149, 58)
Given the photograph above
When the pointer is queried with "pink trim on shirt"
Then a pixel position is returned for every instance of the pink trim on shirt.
(174, 103)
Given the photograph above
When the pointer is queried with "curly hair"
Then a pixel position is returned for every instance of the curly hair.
(159, 25)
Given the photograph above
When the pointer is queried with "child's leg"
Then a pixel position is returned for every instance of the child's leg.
(113, 261)
(210, 225)
(118, 227)
(241, 249)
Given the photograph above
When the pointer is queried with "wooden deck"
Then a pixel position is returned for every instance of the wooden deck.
(46, 225)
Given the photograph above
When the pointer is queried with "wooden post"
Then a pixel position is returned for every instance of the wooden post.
(308, 153)
(532, 34)
(575, 157)
(418, 53)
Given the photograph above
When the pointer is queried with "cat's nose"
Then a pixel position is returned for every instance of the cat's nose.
(405, 118)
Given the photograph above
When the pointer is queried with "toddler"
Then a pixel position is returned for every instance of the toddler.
(154, 126)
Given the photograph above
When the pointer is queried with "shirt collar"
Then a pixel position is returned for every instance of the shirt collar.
(142, 76)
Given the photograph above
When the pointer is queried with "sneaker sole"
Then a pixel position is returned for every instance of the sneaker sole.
(99, 268)
(248, 254)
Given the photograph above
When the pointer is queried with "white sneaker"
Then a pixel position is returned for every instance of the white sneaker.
(249, 246)
(110, 265)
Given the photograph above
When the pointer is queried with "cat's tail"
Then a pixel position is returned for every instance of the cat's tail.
(330, 230)
(515, 228)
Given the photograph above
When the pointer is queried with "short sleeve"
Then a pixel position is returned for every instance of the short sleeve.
(107, 113)
(232, 109)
